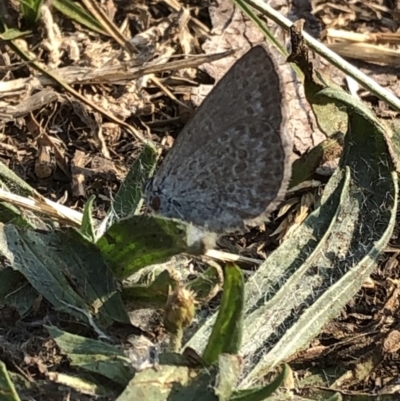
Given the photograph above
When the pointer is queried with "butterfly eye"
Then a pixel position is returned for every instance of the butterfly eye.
(156, 203)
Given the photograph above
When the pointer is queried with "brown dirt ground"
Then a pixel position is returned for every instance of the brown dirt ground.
(366, 331)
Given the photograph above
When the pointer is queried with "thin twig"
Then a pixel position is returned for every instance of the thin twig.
(230, 257)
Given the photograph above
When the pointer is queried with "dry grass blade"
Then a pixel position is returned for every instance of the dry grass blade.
(365, 37)
(28, 105)
(157, 82)
(105, 75)
(367, 52)
(230, 257)
(44, 206)
(109, 26)
(114, 74)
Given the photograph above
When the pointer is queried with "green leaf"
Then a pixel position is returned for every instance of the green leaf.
(260, 394)
(31, 10)
(11, 34)
(66, 269)
(87, 228)
(11, 182)
(229, 367)
(10, 214)
(395, 140)
(14, 183)
(141, 241)
(336, 268)
(227, 331)
(335, 397)
(172, 383)
(75, 12)
(94, 356)
(8, 391)
(16, 292)
(330, 115)
(304, 167)
(207, 284)
(128, 200)
(153, 287)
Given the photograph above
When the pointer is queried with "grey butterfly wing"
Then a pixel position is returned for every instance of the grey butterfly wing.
(228, 166)
(245, 88)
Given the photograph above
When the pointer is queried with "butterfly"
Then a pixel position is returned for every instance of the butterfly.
(229, 167)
